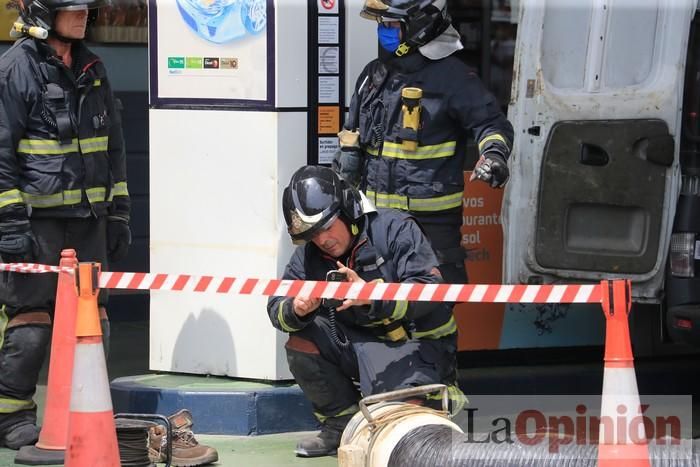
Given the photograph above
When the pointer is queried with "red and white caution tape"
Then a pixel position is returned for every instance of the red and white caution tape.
(369, 291)
(31, 268)
(474, 293)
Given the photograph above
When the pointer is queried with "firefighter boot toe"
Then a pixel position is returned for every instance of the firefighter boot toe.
(325, 443)
(21, 435)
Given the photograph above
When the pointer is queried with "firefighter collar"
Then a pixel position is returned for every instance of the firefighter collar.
(443, 45)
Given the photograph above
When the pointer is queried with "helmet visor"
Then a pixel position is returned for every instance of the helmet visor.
(304, 228)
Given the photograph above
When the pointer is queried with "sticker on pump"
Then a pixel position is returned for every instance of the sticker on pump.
(697, 250)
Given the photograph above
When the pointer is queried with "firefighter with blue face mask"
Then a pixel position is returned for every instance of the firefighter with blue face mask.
(381, 345)
(62, 185)
(411, 115)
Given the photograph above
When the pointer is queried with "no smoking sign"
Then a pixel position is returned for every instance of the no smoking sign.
(327, 6)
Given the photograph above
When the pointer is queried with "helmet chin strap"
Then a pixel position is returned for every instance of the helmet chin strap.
(64, 39)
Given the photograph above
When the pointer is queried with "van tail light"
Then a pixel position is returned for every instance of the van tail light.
(684, 250)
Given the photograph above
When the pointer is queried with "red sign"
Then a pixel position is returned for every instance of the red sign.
(328, 4)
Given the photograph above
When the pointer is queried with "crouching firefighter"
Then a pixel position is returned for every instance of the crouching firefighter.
(382, 345)
(62, 185)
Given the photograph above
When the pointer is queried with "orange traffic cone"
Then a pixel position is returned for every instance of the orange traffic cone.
(619, 444)
(92, 435)
(51, 446)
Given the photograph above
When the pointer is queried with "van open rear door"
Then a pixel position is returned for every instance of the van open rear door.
(596, 104)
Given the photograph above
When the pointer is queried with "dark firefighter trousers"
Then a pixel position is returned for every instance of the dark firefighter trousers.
(326, 371)
(444, 232)
(23, 345)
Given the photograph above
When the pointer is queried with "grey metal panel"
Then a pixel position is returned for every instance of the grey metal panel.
(601, 195)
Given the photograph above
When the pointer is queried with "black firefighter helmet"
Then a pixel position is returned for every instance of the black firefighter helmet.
(314, 198)
(421, 20)
(41, 13)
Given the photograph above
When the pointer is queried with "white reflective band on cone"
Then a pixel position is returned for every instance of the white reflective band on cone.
(619, 389)
(90, 382)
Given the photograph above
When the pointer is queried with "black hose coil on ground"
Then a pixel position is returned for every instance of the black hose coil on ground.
(440, 445)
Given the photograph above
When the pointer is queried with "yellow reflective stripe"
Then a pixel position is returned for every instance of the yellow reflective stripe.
(280, 317)
(438, 203)
(97, 195)
(385, 200)
(3, 324)
(15, 405)
(399, 310)
(46, 146)
(349, 411)
(445, 330)
(120, 189)
(64, 198)
(70, 197)
(435, 151)
(10, 197)
(53, 147)
(89, 145)
(492, 137)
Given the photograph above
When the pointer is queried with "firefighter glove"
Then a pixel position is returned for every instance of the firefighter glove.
(491, 168)
(346, 163)
(17, 242)
(118, 238)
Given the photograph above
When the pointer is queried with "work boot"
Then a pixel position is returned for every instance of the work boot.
(187, 451)
(20, 435)
(326, 442)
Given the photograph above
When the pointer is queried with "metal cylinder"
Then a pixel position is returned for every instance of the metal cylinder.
(376, 429)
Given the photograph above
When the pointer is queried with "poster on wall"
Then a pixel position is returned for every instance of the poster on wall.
(212, 52)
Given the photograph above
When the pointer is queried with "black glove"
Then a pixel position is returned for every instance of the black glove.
(347, 164)
(118, 238)
(491, 168)
(17, 242)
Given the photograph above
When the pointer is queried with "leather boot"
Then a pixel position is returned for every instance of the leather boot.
(186, 450)
(326, 442)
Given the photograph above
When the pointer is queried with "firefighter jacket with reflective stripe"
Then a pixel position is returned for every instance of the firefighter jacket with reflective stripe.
(454, 106)
(61, 144)
(389, 247)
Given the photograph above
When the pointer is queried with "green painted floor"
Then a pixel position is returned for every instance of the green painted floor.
(243, 451)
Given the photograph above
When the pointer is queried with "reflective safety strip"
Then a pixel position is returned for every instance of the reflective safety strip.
(97, 144)
(10, 197)
(46, 146)
(441, 331)
(492, 137)
(435, 151)
(53, 147)
(65, 198)
(15, 405)
(457, 398)
(3, 325)
(280, 317)
(97, 195)
(120, 189)
(349, 411)
(438, 203)
(399, 310)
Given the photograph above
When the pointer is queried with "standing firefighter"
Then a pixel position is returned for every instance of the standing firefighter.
(383, 345)
(62, 185)
(412, 112)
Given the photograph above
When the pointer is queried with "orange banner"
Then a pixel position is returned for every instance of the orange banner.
(480, 324)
